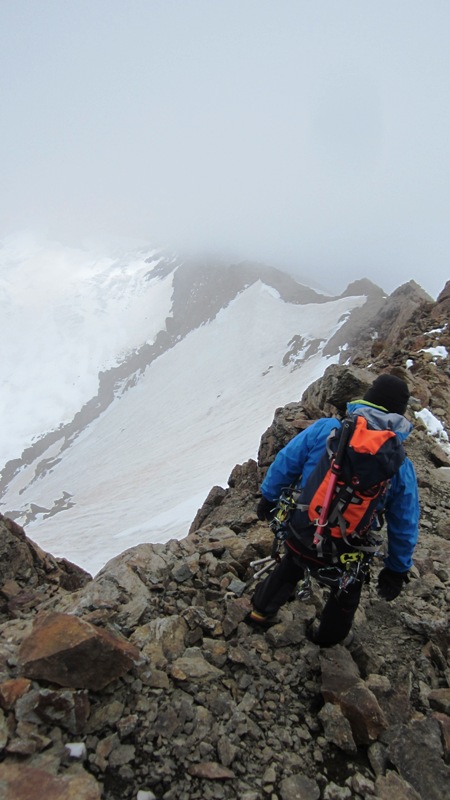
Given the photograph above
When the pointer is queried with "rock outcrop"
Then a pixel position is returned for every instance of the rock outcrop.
(146, 683)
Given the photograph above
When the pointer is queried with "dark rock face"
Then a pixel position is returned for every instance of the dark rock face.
(206, 707)
(28, 575)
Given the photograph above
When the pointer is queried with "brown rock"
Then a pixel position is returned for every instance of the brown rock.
(10, 589)
(11, 690)
(211, 770)
(341, 684)
(236, 611)
(393, 787)
(68, 651)
(194, 667)
(23, 781)
(394, 700)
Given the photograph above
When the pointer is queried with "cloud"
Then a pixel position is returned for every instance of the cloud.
(314, 137)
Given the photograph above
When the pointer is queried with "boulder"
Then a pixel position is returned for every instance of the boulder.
(69, 651)
(342, 684)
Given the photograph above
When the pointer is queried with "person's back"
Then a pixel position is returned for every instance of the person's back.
(294, 465)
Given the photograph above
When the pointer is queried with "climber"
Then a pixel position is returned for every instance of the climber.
(386, 401)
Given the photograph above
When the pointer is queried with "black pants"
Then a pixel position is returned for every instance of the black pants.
(280, 584)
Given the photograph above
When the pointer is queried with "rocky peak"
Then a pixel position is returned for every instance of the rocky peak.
(442, 307)
(363, 287)
(413, 290)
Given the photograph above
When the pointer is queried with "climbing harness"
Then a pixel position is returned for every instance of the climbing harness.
(346, 569)
(353, 567)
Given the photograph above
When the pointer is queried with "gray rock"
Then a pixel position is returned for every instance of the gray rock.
(299, 787)
(416, 752)
(3, 730)
(337, 728)
(122, 754)
(192, 666)
(394, 787)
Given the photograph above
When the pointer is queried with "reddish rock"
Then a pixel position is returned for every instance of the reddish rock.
(211, 770)
(22, 781)
(393, 787)
(10, 589)
(69, 651)
(11, 690)
(342, 685)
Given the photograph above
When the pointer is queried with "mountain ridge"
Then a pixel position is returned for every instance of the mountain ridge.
(190, 703)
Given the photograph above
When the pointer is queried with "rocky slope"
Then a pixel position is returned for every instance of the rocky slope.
(146, 683)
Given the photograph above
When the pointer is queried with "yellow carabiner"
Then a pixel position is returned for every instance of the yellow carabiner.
(345, 558)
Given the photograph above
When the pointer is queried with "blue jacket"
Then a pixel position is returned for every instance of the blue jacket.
(294, 463)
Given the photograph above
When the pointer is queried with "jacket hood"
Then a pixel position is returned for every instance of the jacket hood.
(381, 420)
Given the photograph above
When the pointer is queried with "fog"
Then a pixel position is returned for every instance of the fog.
(311, 136)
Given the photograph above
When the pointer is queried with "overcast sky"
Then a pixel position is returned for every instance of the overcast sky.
(310, 134)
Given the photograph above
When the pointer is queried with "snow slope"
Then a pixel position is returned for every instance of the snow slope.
(65, 315)
(140, 471)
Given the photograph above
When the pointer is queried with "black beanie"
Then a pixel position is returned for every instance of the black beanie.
(390, 392)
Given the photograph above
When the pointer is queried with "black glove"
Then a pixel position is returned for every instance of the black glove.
(265, 510)
(390, 583)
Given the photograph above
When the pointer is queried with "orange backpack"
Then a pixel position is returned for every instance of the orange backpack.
(347, 487)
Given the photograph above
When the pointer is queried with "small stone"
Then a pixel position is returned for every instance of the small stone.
(362, 785)
(211, 770)
(270, 775)
(123, 754)
(439, 699)
(182, 573)
(127, 725)
(226, 751)
(334, 792)
(76, 749)
(193, 666)
(237, 587)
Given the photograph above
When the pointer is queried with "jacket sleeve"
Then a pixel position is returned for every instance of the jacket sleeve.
(402, 518)
(298, 457)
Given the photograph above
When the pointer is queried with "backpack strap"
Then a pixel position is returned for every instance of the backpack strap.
(347, 429)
